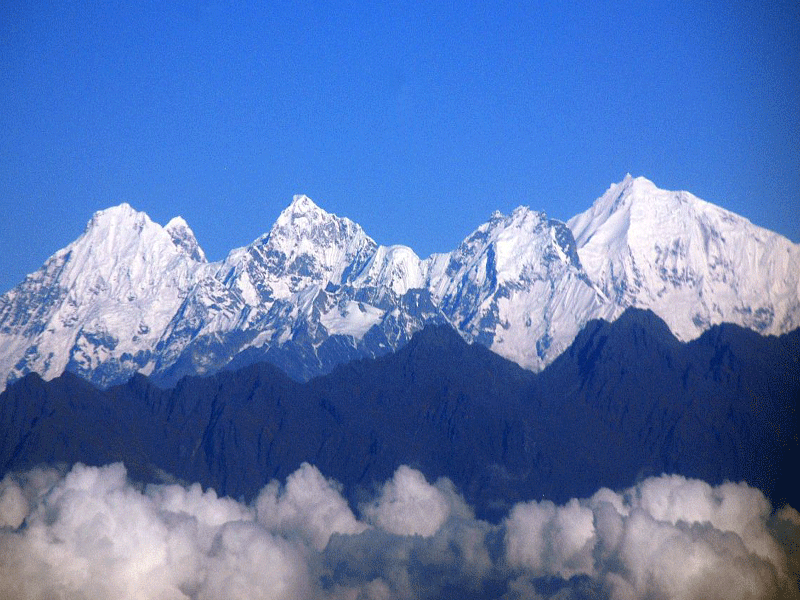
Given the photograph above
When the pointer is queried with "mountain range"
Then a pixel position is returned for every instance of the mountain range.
(589, 400)
(130, 296)
(627, 400)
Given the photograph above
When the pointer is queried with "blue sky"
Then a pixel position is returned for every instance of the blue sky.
(416, 120)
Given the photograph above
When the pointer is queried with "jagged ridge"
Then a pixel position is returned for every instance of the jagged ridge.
(315, 291)
(624, 401)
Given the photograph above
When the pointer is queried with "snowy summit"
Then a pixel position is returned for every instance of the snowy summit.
(314, 291)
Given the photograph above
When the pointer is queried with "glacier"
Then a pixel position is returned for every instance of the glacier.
(315, 291)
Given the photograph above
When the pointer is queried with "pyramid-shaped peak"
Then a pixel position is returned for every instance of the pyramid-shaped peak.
(122, 215)
(618, 199)
(639, 183)
(304, 227)
(303, 210)
(629, 186)
(301, 202)
(121, 211)
(638, 202)
(302, 206)
(304, 213)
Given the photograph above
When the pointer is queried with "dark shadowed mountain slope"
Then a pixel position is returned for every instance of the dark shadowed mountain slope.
(625, 401)
(720, 407)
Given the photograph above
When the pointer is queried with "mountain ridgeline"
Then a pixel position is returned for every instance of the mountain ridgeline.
(625, 401)
(130, 296)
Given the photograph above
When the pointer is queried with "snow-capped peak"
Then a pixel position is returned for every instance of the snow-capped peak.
(177, 224)
(617, 196)
(115, 234)
(691, 262)
(122, 210)
(129, 295)
(302, 204)
(124, 238)
(393, 268)
(518, 243)
(516, 285)
(99, 303)
(303, 213)
(304, 220)
(306, 246)
(122, 217)
(183, 237)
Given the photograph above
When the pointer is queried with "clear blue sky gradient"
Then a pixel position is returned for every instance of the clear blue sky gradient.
(416, 120)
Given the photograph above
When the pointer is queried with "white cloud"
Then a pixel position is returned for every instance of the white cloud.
(13, 504)
(90, 533)
(551, 540)
(309, 505)
(409, 505)
(94, 535)
(18, 491)
(733, 507)
(656, 558)
(247, 562)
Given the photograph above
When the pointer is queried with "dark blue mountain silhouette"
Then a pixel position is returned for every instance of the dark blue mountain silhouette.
(625, 401)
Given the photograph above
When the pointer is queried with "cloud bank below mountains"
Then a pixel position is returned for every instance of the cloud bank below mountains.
(91, 533)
